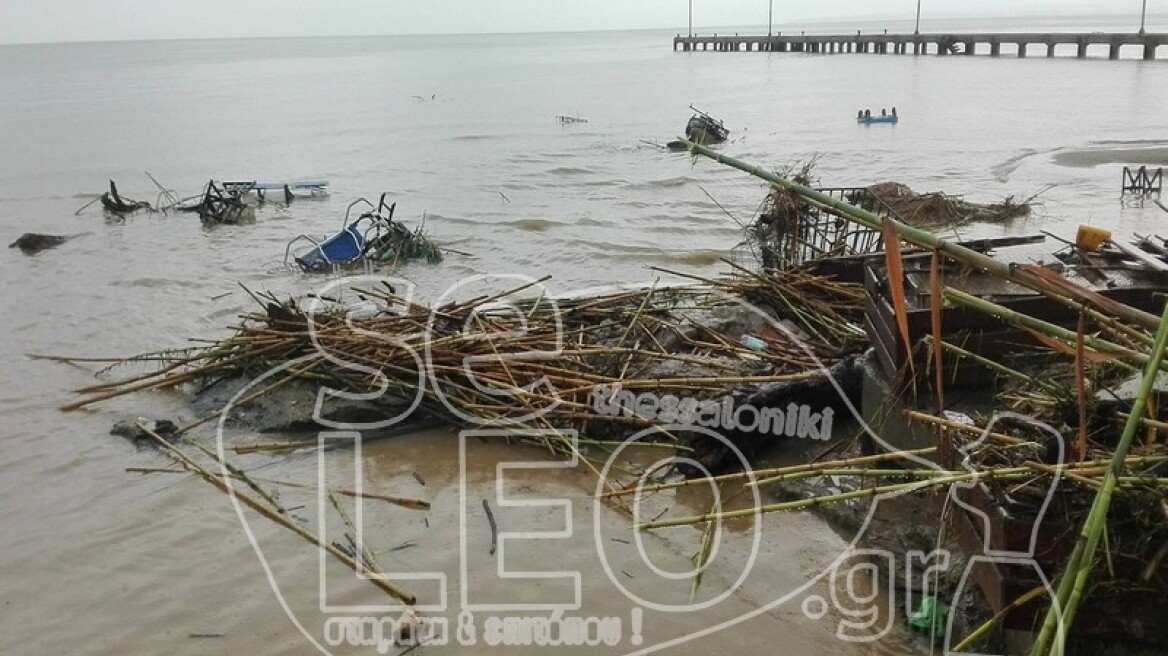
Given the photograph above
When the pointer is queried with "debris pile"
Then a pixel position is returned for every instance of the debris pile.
(116, 204)
(221, 204)
(1043, 397)
(935, 209)
(545, 362)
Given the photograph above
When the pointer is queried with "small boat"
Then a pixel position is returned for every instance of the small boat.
(883, 118)
(373, 237)
(705, 129)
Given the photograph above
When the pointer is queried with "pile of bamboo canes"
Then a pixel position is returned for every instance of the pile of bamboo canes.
(505, 358)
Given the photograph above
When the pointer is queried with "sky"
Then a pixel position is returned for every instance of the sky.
(34, 21)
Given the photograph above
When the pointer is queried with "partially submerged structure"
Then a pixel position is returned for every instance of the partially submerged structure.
(374, 237)
(1017, 381)
(222, 203)
(116, 204)
(705, 129)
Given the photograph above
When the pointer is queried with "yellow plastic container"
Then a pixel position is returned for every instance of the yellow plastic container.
(1090, 238)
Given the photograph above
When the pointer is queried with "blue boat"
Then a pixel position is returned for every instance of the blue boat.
(883, 118)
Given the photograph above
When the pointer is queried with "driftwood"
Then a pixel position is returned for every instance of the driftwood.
(32, 243)
(115, 203)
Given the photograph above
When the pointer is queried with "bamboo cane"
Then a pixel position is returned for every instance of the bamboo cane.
(1044, 327)
(1078, 568)
(847, 462)
(1020, 274)
(1032, 594)
(814, 501)
(275, 516)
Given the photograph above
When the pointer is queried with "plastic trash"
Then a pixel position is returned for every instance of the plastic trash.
(753, 343)
(932, 613)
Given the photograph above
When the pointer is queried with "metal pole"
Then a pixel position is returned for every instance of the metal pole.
(1143, 15)
(771, 18)
(691, 18)
(918, 27)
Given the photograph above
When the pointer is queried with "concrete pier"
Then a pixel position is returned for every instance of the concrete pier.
(941, 44)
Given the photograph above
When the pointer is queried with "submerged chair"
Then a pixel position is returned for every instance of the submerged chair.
(351, 244)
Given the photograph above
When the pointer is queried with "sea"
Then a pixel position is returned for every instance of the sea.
(461, 132)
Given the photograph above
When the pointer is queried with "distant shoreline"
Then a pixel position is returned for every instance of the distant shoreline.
(1066, 22)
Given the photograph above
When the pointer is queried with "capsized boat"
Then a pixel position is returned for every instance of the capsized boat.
(705, 129)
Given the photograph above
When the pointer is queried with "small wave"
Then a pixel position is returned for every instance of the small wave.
(474, 137)
(699, 258)
(570, 170)
(157, 283)
(533, 225)
(1004, 170)
(669, 183)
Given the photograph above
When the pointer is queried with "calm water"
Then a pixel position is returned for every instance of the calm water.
(95, 560)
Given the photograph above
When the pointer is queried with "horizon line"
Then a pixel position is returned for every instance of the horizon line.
(679, 29)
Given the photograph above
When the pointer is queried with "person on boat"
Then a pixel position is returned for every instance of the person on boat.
(894, 112)
(867, 113)
(883, 112)
(860, 114)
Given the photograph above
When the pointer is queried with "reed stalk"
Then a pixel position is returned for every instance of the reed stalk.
(1078, 567)
(1041, 281)
(275, 516)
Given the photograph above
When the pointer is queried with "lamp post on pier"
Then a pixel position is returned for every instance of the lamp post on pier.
(917, 30)
(691, 18)
(771, 18)
(1143, 15)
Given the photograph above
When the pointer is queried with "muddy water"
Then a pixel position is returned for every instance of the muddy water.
(97, 560)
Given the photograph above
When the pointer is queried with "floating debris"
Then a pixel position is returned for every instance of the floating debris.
(117, 204)
(702, 129)
(571, 119)
(373, 238)
(940, 210)
(298, 190)
(705, 129)
(222, 204)
(31, 243)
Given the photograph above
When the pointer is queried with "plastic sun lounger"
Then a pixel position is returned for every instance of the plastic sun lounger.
(342, 248)
(348, 245)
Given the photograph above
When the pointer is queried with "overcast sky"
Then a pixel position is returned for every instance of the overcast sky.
(23, 21)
